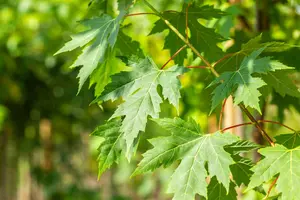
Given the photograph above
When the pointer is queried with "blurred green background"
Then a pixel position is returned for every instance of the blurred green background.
(45, 148)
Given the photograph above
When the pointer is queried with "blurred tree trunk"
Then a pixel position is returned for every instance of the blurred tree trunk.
(46, 139)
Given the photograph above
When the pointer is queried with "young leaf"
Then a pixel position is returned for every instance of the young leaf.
(138, 88)
(242, 82)
(205, 39)
(195, 150)
(110, 149)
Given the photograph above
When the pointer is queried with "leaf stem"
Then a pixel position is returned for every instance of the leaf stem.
(223, 58)
(253, 123)
(141, 13)
(271, 186)
(210, 67)
(273, 122)
(174, 55)
(197, 67)
(237, 125)
(256, 123)
(221, 114)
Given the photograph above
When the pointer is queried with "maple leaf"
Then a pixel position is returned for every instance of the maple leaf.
(195, 149)
(98, 41)
(282, 83)
(240, 171)
(101, 75)
(138, 88)
(283, 160)
(243, 83)
(235, 59)
(216, 190)
(103, 31)
(110, 149)
(204, 38)
(113, 62)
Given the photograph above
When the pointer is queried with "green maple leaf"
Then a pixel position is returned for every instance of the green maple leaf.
(218, 191)
(103, 31)
(205, 39)
(101, 75)
(282, 83)
(98, 42)
(112, 63)
(283, 160)
(253, 44)
(243, 83)
(195, 149)
(110, 149)
(138, 89)
(240, 171)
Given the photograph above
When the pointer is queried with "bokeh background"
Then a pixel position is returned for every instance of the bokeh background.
(46, 152)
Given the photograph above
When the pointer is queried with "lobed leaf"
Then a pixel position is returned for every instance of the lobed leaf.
(110, 149)
(283, 161)
(195, 150)
(138, 88)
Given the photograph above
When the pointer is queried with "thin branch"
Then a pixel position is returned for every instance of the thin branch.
(237, 125)
(142, 13)
(174, 55)
(273, 122)
(210, 67)
(224, 58)
(221, 114)
(256, 123)
(197, 67)
(172, 11)
(260, 121)
(270, 188)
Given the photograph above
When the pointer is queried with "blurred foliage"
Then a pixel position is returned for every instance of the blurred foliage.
(38, 93)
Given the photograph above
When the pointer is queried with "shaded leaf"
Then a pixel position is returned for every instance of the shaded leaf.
(110, 149)
(205, 39)
(217, 191)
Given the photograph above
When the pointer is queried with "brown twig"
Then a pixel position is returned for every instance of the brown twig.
(261, 130)
(237, 125)
(223, 58)
(174, 55)
(221, 114)
(273, 122)
(253, 123)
